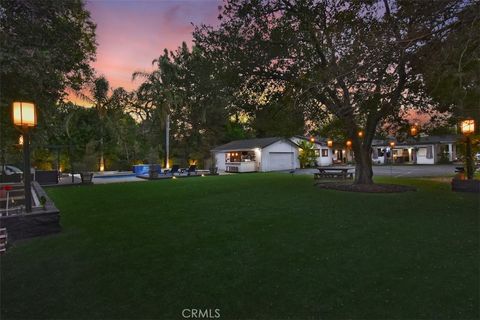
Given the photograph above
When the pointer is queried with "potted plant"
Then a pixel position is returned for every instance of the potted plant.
(43, 202)
(88, 164)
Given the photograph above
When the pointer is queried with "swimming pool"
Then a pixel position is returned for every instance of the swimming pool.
(113, 176)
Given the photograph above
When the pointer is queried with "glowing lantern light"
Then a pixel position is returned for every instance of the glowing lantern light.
(25, 117)
(312, 139)
(20, 140)
(24, 114)
(468, 126)
(329, 143)
(413, 130)
(349, 143)
(360, 134)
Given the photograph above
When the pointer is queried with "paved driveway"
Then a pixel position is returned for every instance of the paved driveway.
(415, 170)
(403, 171)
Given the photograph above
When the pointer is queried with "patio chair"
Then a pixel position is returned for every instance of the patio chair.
(175, 169)
(192, 168)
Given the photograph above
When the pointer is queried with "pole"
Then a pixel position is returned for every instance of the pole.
(26, 170)
(391, 162)
(469, 162)
(72, 170)
(167, 140)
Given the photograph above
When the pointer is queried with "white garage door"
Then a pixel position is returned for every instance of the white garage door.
(281, 161)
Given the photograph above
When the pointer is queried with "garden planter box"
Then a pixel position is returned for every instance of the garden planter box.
(461, 185)
(40, 222)
(87, 177)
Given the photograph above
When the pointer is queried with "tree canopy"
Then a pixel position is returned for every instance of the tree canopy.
(46, 47)
(348, 60)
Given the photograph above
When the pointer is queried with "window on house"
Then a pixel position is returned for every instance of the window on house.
(429, 152)
(324, 152)
(317, 153)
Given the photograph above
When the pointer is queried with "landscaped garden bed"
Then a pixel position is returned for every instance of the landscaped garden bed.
(367, 188)
(43, 220)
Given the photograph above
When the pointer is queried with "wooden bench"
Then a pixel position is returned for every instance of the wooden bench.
(333, 173)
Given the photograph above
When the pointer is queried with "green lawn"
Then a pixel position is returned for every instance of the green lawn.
(253, 246)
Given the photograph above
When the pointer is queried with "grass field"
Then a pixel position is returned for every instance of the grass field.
(254, 246)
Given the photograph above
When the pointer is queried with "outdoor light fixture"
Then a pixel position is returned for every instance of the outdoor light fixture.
(391, 144)
(414, 130)
(24, 114)
(468, 127)
(360, 134)
(349, 143)
(24, 117)
(312, 139)
(329, 143)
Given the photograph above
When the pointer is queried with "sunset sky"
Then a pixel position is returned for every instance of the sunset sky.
(131, 33)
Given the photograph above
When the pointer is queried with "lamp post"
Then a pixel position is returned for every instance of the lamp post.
(414, 133)
(468, 128)
(392, 144)
(167, 141)
(25, 117)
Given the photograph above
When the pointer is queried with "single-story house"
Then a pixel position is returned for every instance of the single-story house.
(421, 150)
(324, 154)
(261, 154)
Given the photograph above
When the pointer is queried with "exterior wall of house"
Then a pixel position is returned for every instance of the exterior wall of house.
(263, 158)
(325, 161)
(222, 165)
(220, 161)
(321, 161)
(423, 154)
(278, 147)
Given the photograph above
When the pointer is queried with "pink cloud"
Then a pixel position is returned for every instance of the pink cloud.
(130, 34)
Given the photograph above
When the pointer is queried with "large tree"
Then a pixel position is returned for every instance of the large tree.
(185, 86)
(346, 59)
(46, 47)
(450, 66)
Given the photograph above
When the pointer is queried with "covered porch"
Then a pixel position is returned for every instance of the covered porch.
(246, 160)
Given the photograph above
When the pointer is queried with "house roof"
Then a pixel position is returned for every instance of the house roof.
(249, 144)
(448, 138)
(318, 140)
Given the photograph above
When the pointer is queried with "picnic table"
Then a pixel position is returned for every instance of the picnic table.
(333, 173)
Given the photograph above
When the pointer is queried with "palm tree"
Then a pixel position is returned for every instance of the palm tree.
(98, 97)
(159, 95)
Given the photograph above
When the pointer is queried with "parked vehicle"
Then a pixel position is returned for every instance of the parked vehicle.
(9, 170)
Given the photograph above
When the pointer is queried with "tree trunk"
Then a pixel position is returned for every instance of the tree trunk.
(363, 166)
